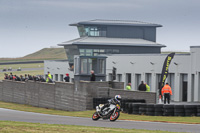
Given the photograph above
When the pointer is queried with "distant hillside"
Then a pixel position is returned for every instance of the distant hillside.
(43, 54)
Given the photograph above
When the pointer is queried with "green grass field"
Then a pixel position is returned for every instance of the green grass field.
(16, 66)
(25, 127)
(43, 54)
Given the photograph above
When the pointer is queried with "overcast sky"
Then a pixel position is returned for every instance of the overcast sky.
(27, 26)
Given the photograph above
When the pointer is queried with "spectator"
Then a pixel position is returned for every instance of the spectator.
(128, 87)
(30, 77)
(166, 91)
(11, 76)
(17, 78)
(35, 78)
(49, 78)
(22, 78)
(142, 86)
(67, 78)
(147, 87)
(93, 77)
(6, 76)
(26, 77)
(42, 79)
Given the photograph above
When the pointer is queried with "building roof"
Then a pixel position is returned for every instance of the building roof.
(111, 41)
(115, 22)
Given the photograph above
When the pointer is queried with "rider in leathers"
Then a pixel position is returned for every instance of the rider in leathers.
(114, 101)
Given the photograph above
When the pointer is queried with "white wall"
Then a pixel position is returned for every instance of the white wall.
(148, 63)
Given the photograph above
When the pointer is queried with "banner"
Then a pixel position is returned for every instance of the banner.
(165, 69)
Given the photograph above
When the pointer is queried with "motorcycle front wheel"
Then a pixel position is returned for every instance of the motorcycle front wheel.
(95, 116)
(115, 116)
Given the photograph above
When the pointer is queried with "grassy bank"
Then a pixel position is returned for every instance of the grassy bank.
(16, 66)
(25, 127)
(123, 116)
(43, 54)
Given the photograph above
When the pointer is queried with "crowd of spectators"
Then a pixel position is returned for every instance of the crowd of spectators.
(26, 77)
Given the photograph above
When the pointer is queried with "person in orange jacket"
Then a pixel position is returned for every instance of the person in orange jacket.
(166, 91)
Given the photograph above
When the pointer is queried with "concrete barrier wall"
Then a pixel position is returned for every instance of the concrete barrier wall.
(62, 95)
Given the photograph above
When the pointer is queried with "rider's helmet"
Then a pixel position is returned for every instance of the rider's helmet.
(118, 98)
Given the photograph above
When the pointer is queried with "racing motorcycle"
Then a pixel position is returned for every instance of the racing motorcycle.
(112, 112)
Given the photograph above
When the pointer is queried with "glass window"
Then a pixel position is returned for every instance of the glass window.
(102, 51)
(82, 52)
(56, 77)
(115, 51)
(101, 66)
(89, 52)
(61, 77)
(137, 80)
(92, 64)
(108, 51)
(96, 52)
(95, 31)
(83, 66)
(87, 31)
(81, 31)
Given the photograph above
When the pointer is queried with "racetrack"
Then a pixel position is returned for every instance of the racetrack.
(13, 115)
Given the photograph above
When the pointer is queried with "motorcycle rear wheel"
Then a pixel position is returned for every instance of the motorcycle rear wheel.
(95, 116)
(115, 116)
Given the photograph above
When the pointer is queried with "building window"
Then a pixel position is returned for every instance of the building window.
(108, 51)
(93, 64)
(115, 51)
(102, 51)
(148, 79)
(128, 78)
(137, 80)
(83, 66)
(81, 31)
(61, 77)
(95, 31)
(101, 66)
(119, 77)
(89, 52)
(96, 52)
(56, 77)
(82, 52)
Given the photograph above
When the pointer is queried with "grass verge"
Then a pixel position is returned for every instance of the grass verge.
(26, 127)
(16, 66)
(123, 116)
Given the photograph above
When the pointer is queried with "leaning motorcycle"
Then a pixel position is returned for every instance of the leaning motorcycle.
(112, 112)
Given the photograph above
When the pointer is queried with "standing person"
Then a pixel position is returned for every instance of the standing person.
(93, 77)
(142, 86)
(166, 91)
(128, 87)
(147, 87)
(67, 78)
(49, 78)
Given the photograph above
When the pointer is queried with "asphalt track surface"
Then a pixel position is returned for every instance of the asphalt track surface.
(13, 115)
